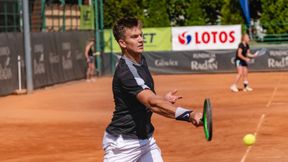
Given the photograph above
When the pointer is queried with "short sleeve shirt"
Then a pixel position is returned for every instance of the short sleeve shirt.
(131, 117)
(244, 48)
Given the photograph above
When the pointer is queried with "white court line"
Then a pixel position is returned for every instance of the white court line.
(262, 118)
(274, 92)
(255, 134)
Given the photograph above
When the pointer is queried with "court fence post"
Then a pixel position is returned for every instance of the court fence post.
(97, 44)
(27, 45)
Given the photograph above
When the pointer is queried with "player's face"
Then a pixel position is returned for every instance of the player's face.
(133, 40)
(246, 38)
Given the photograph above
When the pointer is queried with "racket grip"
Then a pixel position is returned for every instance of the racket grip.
(201, 122)
(256, 53)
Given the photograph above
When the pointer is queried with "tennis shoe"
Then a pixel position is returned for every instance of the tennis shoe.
(234, 88)
(248, 89)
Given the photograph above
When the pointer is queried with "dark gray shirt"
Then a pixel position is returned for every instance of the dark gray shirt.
(131, 118)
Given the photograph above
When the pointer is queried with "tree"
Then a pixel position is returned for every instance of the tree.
(212, 8)
(274, 17)
(194, 14)
(255, 9)
(185, 12)
(155, 13)
(115, 9)
(231, 13)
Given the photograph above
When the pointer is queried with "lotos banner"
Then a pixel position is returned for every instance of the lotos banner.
(155, 39)
(206, 37)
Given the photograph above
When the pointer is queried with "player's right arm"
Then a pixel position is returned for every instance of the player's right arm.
(161, 106)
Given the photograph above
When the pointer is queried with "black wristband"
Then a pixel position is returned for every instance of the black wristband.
(182, 114)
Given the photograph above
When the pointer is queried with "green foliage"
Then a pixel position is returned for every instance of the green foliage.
(231, 13)
(176, 12)
(274, 17)
(185, 12)
(212, 9)
(115, 9)
(255, 9)
(156, 14)
(194, 14)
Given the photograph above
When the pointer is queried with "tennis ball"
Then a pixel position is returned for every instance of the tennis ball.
(249, 139)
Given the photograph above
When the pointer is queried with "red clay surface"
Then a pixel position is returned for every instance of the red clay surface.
(66, 122)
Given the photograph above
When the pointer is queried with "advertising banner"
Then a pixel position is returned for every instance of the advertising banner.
(213, 61)
(56, 57)
(86, 17)
(277, 59)
(10, 48)
(155, 39)
(206, 37)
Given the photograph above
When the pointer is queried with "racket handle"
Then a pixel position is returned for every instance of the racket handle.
(256, 53)
(201, 122)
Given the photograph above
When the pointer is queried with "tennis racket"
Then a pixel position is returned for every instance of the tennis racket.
(207, 119)
(261, 52)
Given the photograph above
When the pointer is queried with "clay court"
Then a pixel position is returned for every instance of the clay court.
(66, 122)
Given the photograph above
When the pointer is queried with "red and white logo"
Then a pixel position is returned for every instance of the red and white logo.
(206, 37)
(184, 38)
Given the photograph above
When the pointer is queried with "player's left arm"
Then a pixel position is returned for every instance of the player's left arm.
(171, 96)
(249, 54)
(161, 106)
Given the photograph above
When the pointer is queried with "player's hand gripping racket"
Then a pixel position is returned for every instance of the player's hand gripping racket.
(207, 119)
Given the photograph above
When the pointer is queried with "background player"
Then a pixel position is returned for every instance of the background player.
(90, 58)
(243, 56)
(129, 136)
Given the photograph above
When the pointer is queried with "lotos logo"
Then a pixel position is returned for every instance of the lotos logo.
(184, 38)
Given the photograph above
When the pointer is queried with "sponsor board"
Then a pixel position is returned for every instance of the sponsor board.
(206, 37)
(155, 39)
(204, 62)
(66, 57)
(278, 59)
(209, 61)
(86, 17)
(39, 60)
(5, 64)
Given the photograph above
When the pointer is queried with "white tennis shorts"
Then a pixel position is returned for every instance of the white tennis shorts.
(119, 149)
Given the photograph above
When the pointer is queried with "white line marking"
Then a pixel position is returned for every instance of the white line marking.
(246, 154)
(274, 92)
(259, 124)
(262, 117)
(255, 134)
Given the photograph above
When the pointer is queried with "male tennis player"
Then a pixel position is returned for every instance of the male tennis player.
(242, 58)
(129, 136)
(90, 59)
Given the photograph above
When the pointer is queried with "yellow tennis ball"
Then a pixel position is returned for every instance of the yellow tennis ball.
(249, 139)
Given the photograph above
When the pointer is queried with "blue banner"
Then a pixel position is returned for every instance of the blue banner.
(245, 7)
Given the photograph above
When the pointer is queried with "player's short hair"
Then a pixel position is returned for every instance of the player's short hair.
(122, 24)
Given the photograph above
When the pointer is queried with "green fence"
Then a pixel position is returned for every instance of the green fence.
(9, 16)
(270, 33)
(271, 38)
